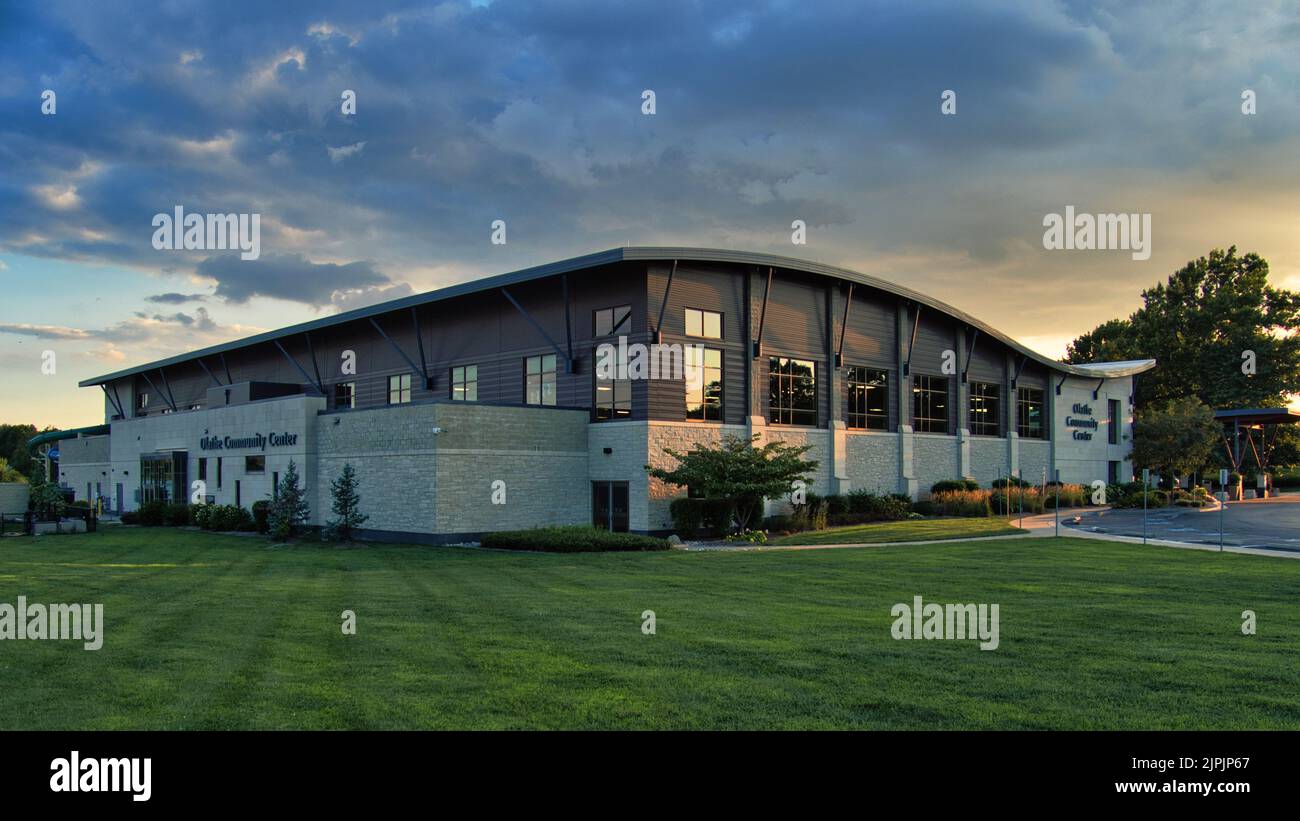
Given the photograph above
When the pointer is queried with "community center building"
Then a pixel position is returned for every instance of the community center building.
(484, 406)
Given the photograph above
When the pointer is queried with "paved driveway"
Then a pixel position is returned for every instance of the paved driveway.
(1271, 523)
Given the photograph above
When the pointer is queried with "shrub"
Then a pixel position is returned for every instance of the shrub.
(925, 507)
(197, 513)
(130, 517)
(949, 485)
(688, 516)
(571, 539)
(878, 508)
(1070, 495)
(961, 503)
(784, 523)
(811, 515)
(261, 509)
(748, 536)
(837, 505)
(1009, 481)
(177, 515)
(1011, 501)
(228, 517)
(153, 513)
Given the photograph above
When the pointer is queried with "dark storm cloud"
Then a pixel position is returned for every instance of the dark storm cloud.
(530, 112)
(285, 276)
(174, 298)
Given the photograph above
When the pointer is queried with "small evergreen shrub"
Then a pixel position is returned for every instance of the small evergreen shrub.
(571, 539)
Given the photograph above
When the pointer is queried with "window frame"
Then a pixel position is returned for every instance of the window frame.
(624, 327)
(866, 416)
(542, 373)
(929, 423)
(686, 323)
(1021, 405)
(996, 406)
(248, 460)
(463, 383)
(776, 409)
(620, 393)
(718, 405)
(403, 389)
(352, 395)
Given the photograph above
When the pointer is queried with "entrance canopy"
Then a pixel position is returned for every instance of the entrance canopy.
(1253, 431)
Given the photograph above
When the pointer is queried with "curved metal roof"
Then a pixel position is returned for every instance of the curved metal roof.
(643, 253)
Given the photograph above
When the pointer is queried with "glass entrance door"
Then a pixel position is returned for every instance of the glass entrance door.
(609, 505)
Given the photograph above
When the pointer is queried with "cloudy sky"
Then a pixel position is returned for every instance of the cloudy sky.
(530, 111)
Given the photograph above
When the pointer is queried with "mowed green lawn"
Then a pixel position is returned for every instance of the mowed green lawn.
(207, 631)
(911, 530)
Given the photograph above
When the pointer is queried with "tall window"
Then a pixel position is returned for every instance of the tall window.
(613, 395)
(868, 398)
(1029, 413)
(345, 395)
(930, 404)
(142, 401)
(1113, 418)
(539, 380)
(464, 383)
(707, 324)
(612, 321)
(792, 391)
(985, 409)
(703, 383)
(399, 389)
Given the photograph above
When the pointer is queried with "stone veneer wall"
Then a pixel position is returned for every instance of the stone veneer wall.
(1035, 457)
(872, 462)
(935, 458)
(412, 480)
(989, 459)
(653, 514)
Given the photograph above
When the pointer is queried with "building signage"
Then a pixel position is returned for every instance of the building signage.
(1077, 420)
(257, 441)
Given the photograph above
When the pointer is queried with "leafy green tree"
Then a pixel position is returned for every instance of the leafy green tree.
(44, 498)
(290, 511)
(13, 444)
(346, 507)
(739, 472)
(1211, 318)
(1175, 438)
(8, 474)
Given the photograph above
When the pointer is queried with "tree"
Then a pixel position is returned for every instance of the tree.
(290, 511)
(8, 474)
(13, 445)
(1217, 330)
(739, 472)
(44, 497)
(1176, 438)
(346, 507)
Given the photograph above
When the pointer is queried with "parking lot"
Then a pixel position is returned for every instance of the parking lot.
(1263, 523)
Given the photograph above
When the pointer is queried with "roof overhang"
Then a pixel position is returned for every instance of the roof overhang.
(1258, 416)
(647, 254)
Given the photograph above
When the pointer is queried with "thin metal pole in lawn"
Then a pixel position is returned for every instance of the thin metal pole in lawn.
(1146, 478)
(1057, 513)
(1020, 481)
(1223, 504)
